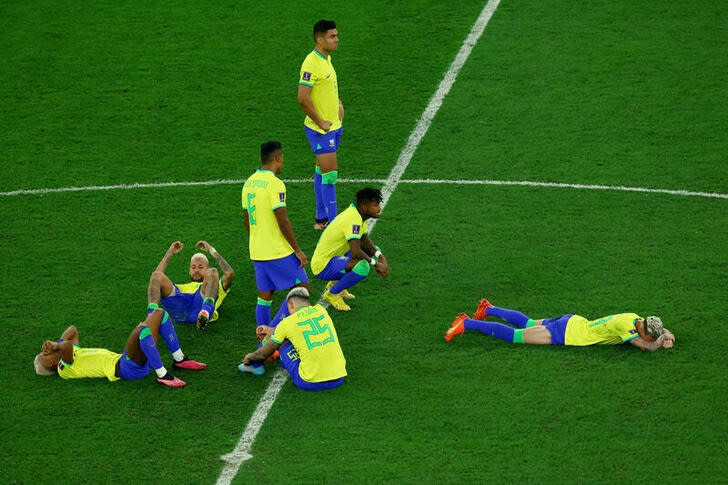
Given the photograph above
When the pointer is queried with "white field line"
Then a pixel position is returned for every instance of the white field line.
(256, 421)
(528, 183)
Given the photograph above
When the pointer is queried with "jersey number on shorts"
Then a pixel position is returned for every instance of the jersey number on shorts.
(251, 209)
(317, 329)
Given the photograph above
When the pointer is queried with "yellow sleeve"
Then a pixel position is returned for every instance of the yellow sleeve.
(355, 230)
(280, 333)
(307, 76)
(277, 195)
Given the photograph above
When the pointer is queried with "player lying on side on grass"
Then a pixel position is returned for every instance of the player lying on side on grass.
(645, 333)
(309, 346)
(67, 358)
(196, 301)
(344, 254)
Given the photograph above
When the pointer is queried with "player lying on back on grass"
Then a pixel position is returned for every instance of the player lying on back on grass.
(309, 346)
(67, 358)
(645, 333)
(344, 254)
(196, 301)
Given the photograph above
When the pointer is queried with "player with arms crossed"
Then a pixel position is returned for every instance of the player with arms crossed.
(196, 301)
(644, 333)
(308, 343)
(277, 258)
(69, 360)
(318, 95)
(344, 254)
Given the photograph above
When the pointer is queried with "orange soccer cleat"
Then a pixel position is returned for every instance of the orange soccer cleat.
(456, 327)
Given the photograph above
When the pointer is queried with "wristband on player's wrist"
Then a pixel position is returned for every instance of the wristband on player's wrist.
(373, 262)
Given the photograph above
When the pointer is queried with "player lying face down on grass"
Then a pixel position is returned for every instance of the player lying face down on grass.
(308, 343)
(644, 333)
(196, 301)
(69, 360)
(345, 254)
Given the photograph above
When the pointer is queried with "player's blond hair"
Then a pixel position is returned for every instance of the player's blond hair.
(199, 255)
(40, 369)
(299, 293)
(654, 327)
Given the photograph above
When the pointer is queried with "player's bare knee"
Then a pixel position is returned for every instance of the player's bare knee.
(157, 276)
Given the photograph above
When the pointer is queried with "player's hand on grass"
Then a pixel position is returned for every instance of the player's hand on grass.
(204, 245)
(382, 268)
(302, 258)
(325, 125)
(176, 247)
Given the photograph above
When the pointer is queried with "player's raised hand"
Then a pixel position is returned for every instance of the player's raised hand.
(301, 258)
(204, 245)
(47, 347)
(326, 126)
(176, 247)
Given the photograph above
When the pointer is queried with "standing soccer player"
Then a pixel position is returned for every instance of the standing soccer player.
(277, 258)
(318, 95)
(344, 254)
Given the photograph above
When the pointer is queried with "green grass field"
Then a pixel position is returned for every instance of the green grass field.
(611, 93)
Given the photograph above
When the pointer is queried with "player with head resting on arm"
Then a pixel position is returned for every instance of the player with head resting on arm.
(308, 344)
(197, 301)
(318, 95)
(644, 333)
(69, 360)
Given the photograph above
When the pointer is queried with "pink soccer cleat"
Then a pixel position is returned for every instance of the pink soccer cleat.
(189, 364)
(171, 381)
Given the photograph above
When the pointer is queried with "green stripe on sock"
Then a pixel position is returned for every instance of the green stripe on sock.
(518, 336)
(263, 302)
(144, 333)
(318, 170)
(530, 323)
(208, 300)
(152, 306)
(165, 317)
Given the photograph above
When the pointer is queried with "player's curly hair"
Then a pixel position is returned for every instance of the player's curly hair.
(368, 194)
(653, 326)
(323, 26)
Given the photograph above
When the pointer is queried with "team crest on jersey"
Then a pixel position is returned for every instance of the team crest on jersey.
(355, 229)
(282, 196)
(60, 365)
(306, 76)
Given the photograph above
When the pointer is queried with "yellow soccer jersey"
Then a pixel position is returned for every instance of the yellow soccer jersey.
(90, 363)
(611, 330)
(263, 193)
(318, 73)
(313, 335)
(335, 239)
(192, 286)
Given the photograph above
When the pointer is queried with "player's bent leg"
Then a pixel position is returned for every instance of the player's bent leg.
(160, 286)
(359, 271)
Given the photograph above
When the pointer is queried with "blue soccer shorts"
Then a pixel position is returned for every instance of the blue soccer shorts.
(323, 142)
(557, 328)
(130, 370)
(183, 307)
(279, 274)
(335, 269)
(291, 361)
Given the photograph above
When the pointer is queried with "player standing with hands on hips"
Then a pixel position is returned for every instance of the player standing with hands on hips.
(318, 95)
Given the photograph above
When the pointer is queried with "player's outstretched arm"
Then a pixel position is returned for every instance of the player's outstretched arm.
(287, 230)
(262, 353)
(646, 345)
(228, 273)
(174, 248)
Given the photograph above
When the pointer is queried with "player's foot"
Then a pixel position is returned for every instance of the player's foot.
(480, 313)
(456, 328)
(274, 356)
(189, 364)
(203, 318)
(171, 381)
(336, 301)
(344, 293)
(321, 224)
(258, 371)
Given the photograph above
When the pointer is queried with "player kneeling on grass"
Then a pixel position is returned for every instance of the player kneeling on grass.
(67, 358)
(344, 254)
(645, 333)
(196, 301)
(308, 344)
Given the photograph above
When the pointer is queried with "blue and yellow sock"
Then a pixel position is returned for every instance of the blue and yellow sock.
(328, 193)
(320, 206)
(497, 330)
(262, 311)
(357, 273)
(511, 316)
(149, 348)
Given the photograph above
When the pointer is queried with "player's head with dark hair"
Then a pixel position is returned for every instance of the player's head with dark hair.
(268, 151)
(325, 36)
(323, 26)
(369, 202)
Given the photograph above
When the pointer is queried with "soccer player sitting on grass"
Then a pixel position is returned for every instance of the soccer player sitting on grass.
(344, 254)
(308, 344)
(67, 358)
(196, 301)
(645, 333)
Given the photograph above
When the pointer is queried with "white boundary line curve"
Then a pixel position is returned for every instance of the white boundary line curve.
(242, 450)
(528, 183)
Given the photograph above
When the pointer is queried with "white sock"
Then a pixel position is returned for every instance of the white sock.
(178, 355)
(161, 371)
